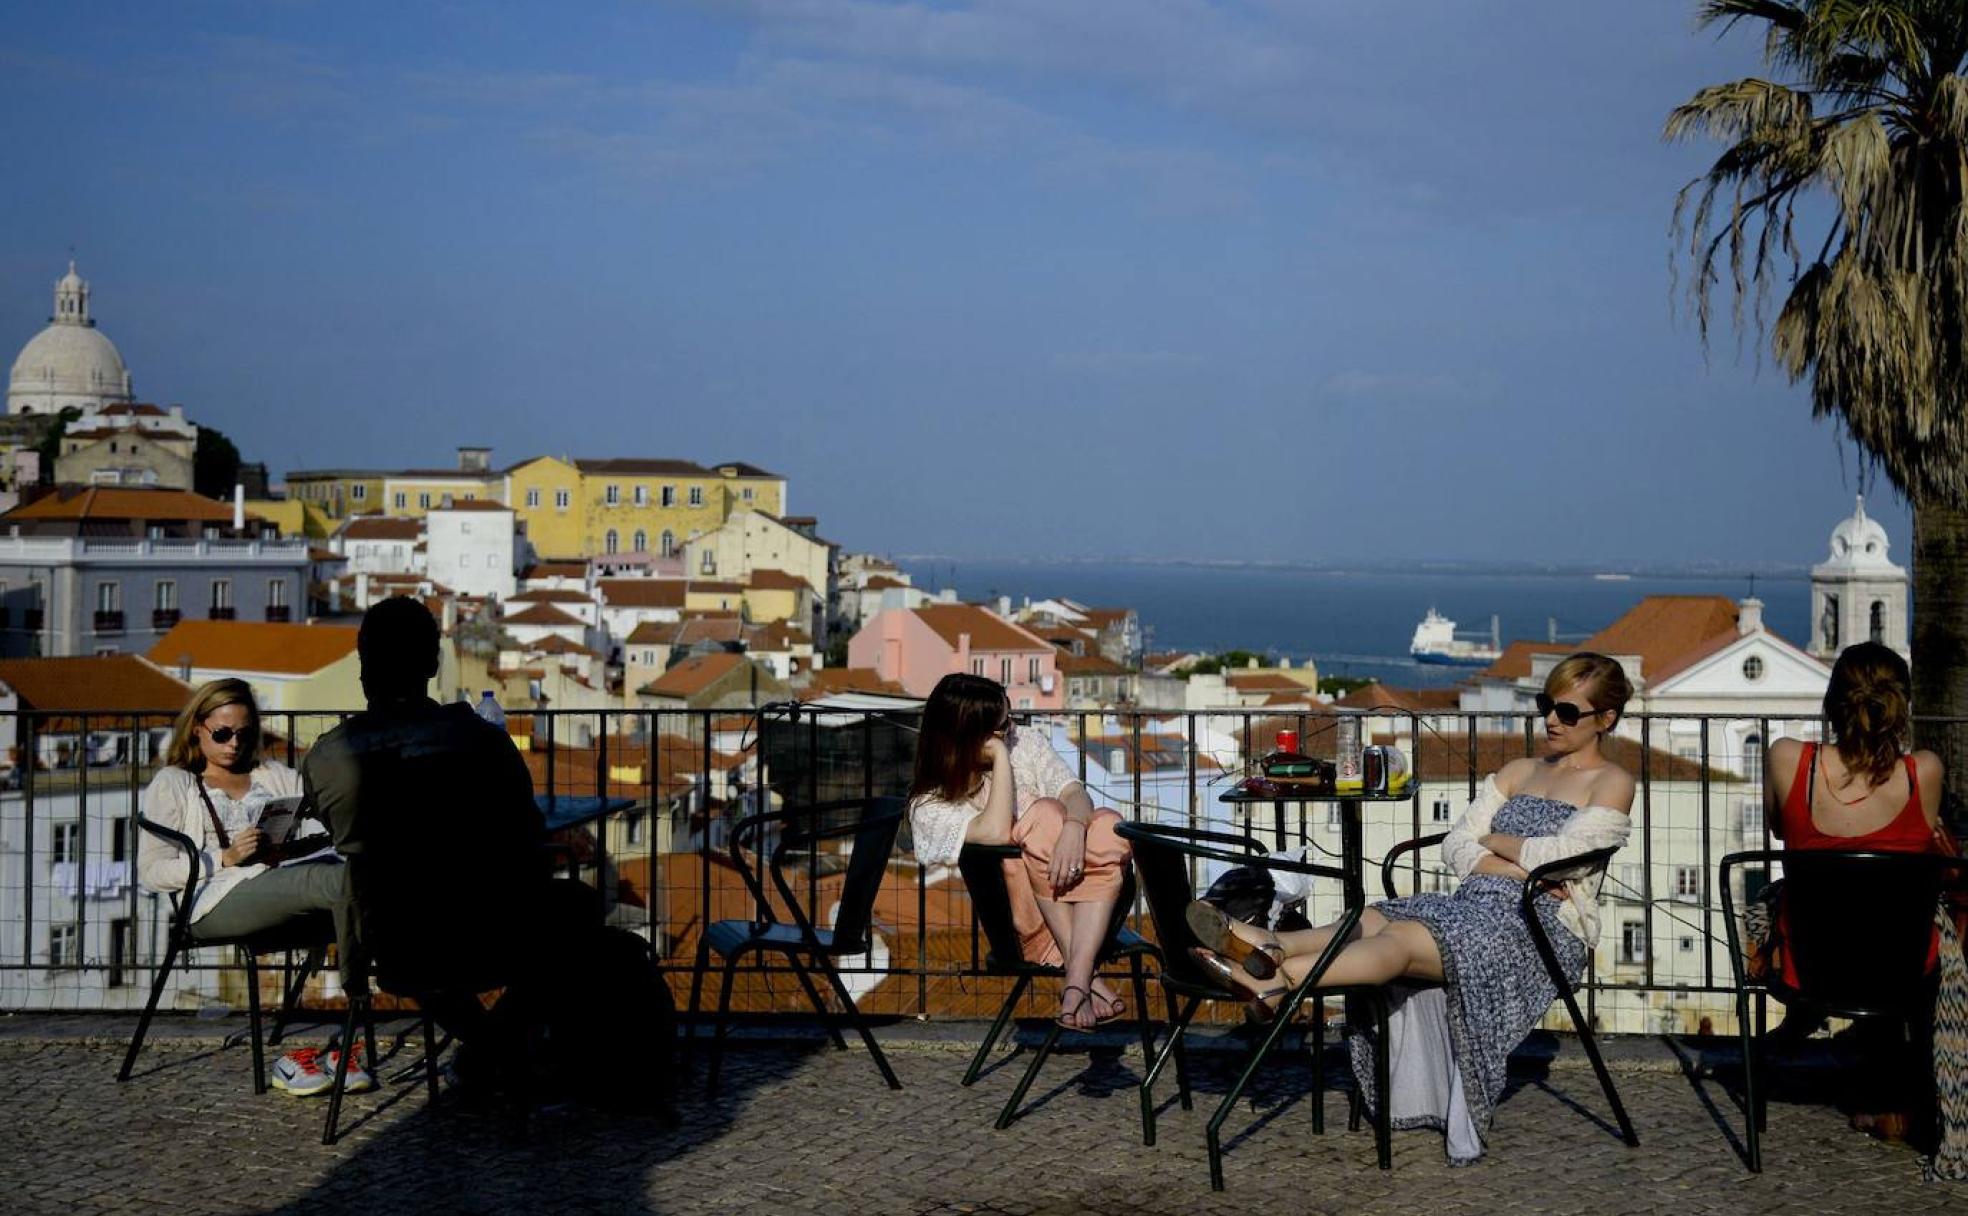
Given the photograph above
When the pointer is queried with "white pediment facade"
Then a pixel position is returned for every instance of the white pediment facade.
(1759, 672)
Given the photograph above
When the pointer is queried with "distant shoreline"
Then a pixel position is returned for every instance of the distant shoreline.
(1769, 571)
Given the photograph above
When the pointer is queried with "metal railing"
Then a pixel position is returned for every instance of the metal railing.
(78, 932)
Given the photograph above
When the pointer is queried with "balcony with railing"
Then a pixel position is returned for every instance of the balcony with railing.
(107, 622)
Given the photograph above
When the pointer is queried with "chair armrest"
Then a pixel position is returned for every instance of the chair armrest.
(180, 900)
(1535, 881)
(1394, 855)
(1003, 852)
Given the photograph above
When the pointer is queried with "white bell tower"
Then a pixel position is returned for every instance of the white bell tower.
(1858, 595)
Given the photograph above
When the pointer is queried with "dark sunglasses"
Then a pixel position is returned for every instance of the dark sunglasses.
(223, 735)
(1568, 713)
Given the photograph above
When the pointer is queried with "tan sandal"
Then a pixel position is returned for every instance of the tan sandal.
(1213, 927)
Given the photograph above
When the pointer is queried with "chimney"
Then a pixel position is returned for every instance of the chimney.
(238, 509)
(1749, 618)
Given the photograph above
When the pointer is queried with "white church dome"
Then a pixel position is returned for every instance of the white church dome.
(71, 362)
(1859, 543)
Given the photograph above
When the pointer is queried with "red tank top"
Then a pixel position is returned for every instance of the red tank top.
(1907, 832)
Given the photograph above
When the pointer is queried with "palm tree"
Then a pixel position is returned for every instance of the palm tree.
(1848, 183)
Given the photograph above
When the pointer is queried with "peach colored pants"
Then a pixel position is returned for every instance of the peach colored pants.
(1034, 833)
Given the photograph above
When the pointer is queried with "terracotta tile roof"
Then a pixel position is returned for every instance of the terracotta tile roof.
(552, 595)
(1263, 681)
(553, 643)
(830, 680)
(120, 682)
(1668, 631)
(1515, 661)
(318, 554)
(743, 469)
(381, 527)
(713, 587)
(542, 614)
(694, 675)
(1088, 665)
(140, 409)
(987, 630)
(554, 570)
(776, 635)
(253, 646)
(882, 582)
(777, 580)
(473, 504)
(127, 434)
(121, 503)
(1414, 700)
(653, 633)
(721, 628)
(1104, 617)
(642, 592)
(1302, 697)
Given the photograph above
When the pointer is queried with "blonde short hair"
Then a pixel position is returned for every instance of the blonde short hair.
(1602, 679)
(211, 697)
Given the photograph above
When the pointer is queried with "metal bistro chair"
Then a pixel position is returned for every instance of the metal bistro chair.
(1162, 853)
(802, 829)
(313, 934)
(1533, 887)
(1858, 928)
(982, 866)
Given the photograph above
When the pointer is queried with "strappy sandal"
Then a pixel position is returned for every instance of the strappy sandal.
(1213, 928)
(1262, 1005)
(1116, 1008)
(1066, 1010)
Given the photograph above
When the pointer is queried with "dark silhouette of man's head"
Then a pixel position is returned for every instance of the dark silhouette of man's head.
(398, 645)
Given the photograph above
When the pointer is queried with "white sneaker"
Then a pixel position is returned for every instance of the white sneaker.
(357, 1081)
(308, 1071)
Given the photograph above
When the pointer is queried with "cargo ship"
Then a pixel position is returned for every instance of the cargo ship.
(1435, 641)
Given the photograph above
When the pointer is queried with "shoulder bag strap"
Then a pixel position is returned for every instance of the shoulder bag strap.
(225, 841)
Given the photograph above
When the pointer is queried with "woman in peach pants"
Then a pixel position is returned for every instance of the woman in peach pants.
(978, 778)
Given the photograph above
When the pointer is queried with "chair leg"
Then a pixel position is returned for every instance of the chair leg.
(819, 1003)
(1752, 1146)
(1183, 1095)
(1017, 1098)
(1383, 1106)
(1178, 1023)
(296, 984)
(430, 1055)
(253, 1019)
(1213, 1133)
(860, 1022)
(356, 1005)
(1318, 1066)
(1142, 1018)
(369, 1035)
(1762, 1038)
(697, 990)
(997, 1028)
(171, 952)
(717, 1033)
(1590, 1042)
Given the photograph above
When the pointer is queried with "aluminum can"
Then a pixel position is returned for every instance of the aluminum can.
(1288, 741)
(1346, 758)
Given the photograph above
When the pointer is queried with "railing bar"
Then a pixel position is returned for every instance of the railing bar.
(1647, 844)
(1708, 918)
(81, 852)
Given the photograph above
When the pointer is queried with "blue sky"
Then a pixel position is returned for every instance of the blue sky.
(1267, 279)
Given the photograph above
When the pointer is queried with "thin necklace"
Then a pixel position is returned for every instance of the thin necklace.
(1834, 793)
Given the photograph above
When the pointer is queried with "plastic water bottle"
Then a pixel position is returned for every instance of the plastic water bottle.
(488, 709)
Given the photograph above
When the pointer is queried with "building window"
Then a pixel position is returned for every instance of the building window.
(562, 498)
(612, 542)
(669, 496)
(669, 543)
(62, 943)
(1753, 759)
(632, 828)
(109, 597)
(613, 496)
(66, 846)
(641, 541)
(423, 502)
(1334, 818)
(708, 564)
(119, 840)
(1438, 812)
(358, 493)
(642, 496)
(402, 500)
(696, 496)
(277, 593)
(1686, 945)
(1633, 942)
(1004, 672)
(222, 595)
(532, 498)
(1032, 670)
(746, 493)
(1752, 668)
(977, 667)
(1878, 623)
(1828, 626)
(1687, 882)
(122, 951)
(166, 594)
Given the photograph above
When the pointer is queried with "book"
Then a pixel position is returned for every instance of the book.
(279, 819)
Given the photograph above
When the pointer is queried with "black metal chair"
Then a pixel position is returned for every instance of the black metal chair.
(1534, 885)
(311, 935)
(872, 824)
(982, 866)
(1162, 854)
(1858, 927)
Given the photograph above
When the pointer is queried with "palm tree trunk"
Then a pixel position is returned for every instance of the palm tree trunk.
(1940, 643)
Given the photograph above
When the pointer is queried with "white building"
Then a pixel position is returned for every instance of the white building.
(1858, 594)
(377, 544)
(71, 364)
(471, 546)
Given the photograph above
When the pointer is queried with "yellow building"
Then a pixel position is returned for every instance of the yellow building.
(583, 508)
(337, 493)
(304, 676)
(413, 492)
(293, 516)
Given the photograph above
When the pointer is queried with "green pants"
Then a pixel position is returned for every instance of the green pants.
(280, 896)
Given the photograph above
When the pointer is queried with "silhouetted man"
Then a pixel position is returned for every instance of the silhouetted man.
(434, 809)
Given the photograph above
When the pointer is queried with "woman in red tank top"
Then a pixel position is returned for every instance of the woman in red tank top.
(1862, 791)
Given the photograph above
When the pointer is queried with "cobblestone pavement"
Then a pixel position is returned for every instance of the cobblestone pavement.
(807, 1129)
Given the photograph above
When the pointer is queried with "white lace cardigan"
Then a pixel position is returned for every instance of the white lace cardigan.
(1593, 827)
(939, 825)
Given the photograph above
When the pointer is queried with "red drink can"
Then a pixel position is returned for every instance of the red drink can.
(1288, 741)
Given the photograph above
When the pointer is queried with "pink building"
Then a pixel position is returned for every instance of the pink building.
(916, 647)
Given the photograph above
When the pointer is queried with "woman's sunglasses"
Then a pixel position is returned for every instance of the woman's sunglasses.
(1568, 713)
(223, 735)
